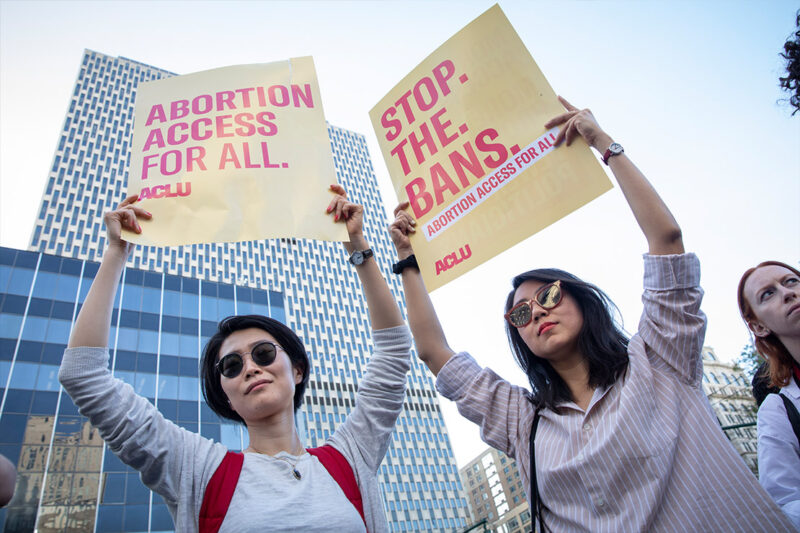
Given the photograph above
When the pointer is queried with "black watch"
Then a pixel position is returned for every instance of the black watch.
(410, 261)
(359, 256)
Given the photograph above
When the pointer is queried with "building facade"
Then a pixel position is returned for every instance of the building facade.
(730, 394)
(495, 493)
(321, 296)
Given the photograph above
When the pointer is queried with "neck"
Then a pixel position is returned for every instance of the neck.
(273, 435)
(575, 372)
(792, 345)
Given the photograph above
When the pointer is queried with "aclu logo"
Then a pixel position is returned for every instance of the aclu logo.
(452, 259)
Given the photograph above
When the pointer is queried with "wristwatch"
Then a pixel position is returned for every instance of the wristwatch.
(359, 256)
(611, 151)
(408, 262)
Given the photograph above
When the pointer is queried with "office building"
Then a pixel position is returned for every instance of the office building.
(730, 394)
(319, 291)
(495, 493)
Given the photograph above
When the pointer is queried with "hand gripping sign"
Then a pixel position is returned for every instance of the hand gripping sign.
(233, 154)
(462, 136)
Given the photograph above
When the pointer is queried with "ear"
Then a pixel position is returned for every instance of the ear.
(298, 375)
(759, 329)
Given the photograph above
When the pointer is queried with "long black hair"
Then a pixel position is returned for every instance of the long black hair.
(601, 340)
(215, 397)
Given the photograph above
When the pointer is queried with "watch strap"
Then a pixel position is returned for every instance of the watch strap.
(410, 261)
(609, 153)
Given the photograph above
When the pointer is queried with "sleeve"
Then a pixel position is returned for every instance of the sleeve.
(779, 457)
(131, 426)
(379, 401)
(488, 400)
(672, 325)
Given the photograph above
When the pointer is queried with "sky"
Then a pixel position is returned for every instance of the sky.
(690, 89)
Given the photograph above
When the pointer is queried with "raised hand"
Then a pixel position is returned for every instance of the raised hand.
(344, 210)
(400, 230)
(124, 216)
(579, 122)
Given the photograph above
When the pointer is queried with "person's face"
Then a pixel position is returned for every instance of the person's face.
(552, 333)
(773, 293)
(259, 391)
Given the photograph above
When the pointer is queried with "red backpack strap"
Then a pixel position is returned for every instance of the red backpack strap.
(341, 471)
(219, 492)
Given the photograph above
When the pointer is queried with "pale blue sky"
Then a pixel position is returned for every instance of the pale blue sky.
(689, 88)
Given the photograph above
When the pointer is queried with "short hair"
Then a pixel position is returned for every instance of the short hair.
(601, 340)
(213, 394)
(779, 360)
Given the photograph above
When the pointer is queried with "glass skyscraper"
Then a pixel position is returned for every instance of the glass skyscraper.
(169, 299)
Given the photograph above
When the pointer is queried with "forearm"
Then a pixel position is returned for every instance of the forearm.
(658, 225)
(94, 321)
(383, 309)
(429, 337)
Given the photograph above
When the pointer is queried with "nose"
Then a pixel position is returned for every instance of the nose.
(250, 367)
(789, 293)
(538, 311)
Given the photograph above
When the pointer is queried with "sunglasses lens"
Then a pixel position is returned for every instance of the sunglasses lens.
(550, 297)
(263, 354)
(520, 315)
(231, 365)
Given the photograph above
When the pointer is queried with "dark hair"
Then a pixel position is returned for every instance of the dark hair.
(601, 340)
(761, 385)
(779, 360)
(791, 53)
(212, 388)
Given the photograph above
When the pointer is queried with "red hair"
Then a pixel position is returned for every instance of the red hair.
(779, 360)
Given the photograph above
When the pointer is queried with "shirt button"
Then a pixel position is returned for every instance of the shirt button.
(580, 457)
(587, 426)
(600, 502)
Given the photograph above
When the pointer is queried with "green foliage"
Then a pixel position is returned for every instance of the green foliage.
(749, 360)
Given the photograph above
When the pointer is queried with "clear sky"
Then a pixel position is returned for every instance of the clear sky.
(689, 88)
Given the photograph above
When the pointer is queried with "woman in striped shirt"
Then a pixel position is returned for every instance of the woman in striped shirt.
(625, 438)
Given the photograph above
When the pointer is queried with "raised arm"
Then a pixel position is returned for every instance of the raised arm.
(94, 320)
(383, 309)
(429, 338)
(659, 226)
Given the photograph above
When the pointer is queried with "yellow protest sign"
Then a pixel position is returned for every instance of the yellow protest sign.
(233, 154)
(463, 138)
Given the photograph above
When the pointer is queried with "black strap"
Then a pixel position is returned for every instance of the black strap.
(794, 416)
(536, 503)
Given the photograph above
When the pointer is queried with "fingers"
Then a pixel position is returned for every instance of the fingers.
(560, 119)
(341, 194)
(402, 206)
(128, 200)
(404, 222)
(566, 104)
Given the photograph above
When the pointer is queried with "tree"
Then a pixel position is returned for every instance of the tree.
(749, 360)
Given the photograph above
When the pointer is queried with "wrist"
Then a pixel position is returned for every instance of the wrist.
(403, 253)
(357, 242)
(602, 142)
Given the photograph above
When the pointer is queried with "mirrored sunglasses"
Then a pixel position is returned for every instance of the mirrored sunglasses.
(262, 354)
(547, 297)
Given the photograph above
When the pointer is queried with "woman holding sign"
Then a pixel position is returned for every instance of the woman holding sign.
(618, 430)
(254, 370)
(769, 300)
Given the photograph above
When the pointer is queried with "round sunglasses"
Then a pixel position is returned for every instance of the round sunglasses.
(262, 354)
(547, 297)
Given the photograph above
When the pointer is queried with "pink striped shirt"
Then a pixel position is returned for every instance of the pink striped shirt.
(648, 453)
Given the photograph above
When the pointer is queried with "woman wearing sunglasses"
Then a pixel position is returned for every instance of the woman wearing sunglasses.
(769, 301)
(623, 436)
(254, 370)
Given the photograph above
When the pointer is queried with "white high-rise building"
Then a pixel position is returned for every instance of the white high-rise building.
(322, 297)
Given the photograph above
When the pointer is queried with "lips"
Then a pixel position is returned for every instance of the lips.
(256, 384)
(546, 326)
(793, 308)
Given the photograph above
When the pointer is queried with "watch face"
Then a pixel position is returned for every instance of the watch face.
(615, 148)
(357, 258)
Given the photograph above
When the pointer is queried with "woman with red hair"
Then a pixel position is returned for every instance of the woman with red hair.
(769, 300)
